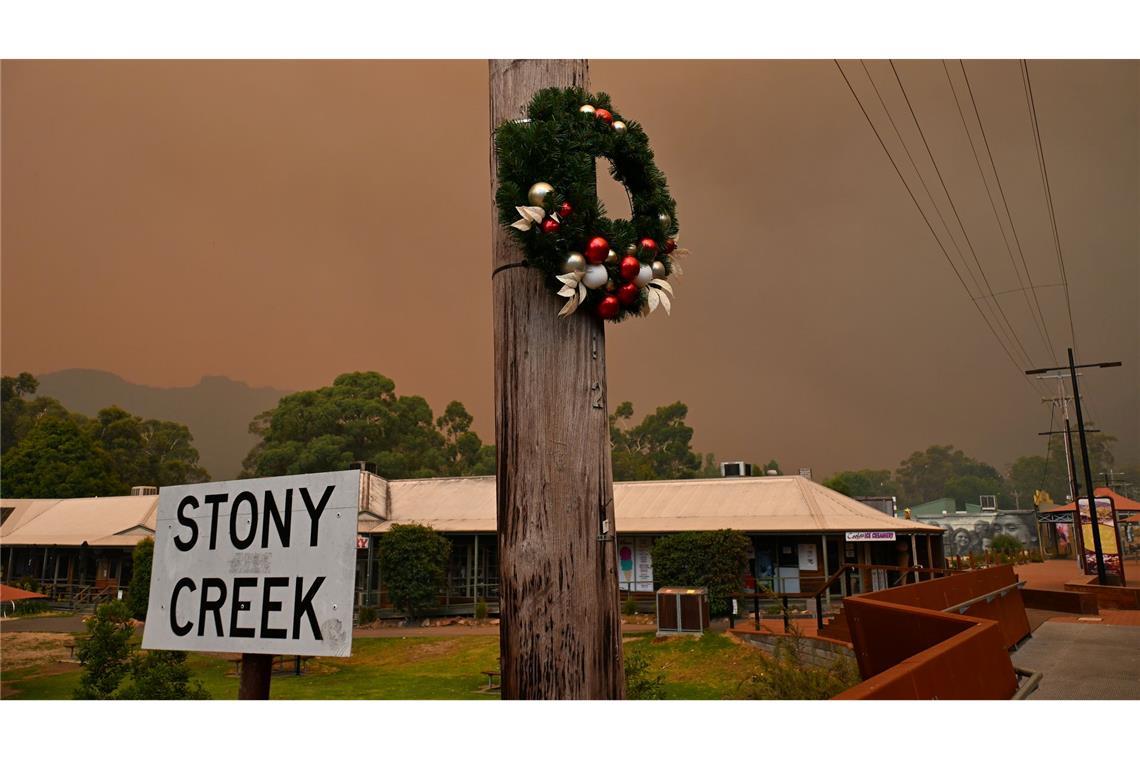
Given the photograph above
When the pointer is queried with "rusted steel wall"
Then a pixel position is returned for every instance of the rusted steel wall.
(1060, 601)
(911, 653)
(1007, 611)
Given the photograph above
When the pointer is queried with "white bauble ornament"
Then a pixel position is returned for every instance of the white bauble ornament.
(596, 276)
(644, 275)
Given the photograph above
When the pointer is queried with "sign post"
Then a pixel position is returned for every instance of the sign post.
(257, 567)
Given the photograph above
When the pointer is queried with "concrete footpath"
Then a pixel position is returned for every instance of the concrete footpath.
(1083, 661)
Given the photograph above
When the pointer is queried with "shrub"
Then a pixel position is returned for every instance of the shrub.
(138, 595)
(629, 606)
(481, 609)
(413, 564)
(784, 674)
(716, 560)
(638, 684)
(162, 675)
(366, 615)
(1005, 544)
(106, 652)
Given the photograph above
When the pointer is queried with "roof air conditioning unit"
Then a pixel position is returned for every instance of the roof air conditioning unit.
(735, 470)
(144, 490)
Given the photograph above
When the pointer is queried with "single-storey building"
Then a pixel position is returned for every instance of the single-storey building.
(800, 532)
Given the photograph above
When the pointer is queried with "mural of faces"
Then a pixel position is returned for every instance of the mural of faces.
(1013, 525)
(972, 534)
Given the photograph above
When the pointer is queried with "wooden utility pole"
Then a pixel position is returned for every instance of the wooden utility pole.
(560, 633)
(256, 673)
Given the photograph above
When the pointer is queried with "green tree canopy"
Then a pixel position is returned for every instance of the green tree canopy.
(50, 452)
(361, 418)
(413, 564)
(945, 471)
(857, 483)
(58, 458)
(657, 448)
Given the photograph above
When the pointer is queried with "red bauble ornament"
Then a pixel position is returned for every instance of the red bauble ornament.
(604, 115)
(649, 245)
(608, 307)
(670, 245)
(549, 225)
(597, 250)
(628, 294)
(629, 267)
(565, 209)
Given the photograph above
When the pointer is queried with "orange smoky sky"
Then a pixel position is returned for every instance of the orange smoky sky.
(282, 222)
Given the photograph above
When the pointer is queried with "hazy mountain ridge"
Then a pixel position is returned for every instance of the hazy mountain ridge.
(217, 410)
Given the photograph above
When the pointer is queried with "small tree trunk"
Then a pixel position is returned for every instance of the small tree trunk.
(560, 632)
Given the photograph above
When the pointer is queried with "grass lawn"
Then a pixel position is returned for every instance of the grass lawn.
(443, 667)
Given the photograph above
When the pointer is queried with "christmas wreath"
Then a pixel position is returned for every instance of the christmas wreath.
(547, 196)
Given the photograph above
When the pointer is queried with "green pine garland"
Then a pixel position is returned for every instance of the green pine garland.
(558, 143)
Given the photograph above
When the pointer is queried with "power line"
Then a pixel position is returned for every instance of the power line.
(1039, 318)
(1027, 85)
(926, 219)
(957, 216)
(929, 194)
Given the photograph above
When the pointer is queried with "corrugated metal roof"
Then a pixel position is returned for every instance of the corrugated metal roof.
(107, 521)
(777, 504)
(784, 504)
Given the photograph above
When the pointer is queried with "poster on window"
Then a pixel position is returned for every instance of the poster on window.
(643, 563)
(809, 557)
(625, 565)
(1109, 536)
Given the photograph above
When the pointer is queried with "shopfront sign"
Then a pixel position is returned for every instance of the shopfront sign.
(263, 566)
(870, 535)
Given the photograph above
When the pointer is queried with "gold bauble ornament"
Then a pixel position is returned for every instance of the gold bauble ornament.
(658, 270)
(665, 219)
(611, 287)
(620, 127)
(612, 257)
(587, 109)
(631, 249)
(539, 193)
(575, 262)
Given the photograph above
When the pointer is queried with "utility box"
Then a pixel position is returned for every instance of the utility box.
(682, 610)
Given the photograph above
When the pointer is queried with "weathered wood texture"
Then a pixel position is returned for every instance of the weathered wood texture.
(560, 632)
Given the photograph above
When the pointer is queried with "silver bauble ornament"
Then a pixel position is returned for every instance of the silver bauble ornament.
(665, 219)
(620, 127)
(612, 257)
(644, 275)
(596, 276)
(587, 109)
(658, 270)
(575, 262)
(539, 193)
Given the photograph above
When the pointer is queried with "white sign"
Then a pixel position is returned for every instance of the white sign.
(808, 560)
(871, 535)
(261, 566)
